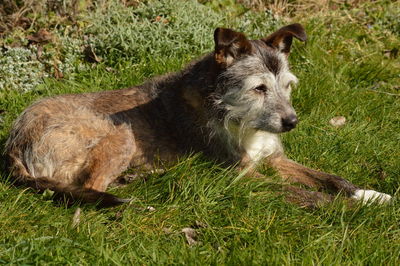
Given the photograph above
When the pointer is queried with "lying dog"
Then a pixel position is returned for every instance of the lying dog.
(231, 105)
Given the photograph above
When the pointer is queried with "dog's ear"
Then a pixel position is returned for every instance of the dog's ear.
(282, 38)
(229, 45)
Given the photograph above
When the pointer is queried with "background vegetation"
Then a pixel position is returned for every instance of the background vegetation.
(349, 67)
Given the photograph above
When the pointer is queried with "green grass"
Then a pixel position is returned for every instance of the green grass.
(342, 71)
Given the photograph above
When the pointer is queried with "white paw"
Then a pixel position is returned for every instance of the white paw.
(370, 196)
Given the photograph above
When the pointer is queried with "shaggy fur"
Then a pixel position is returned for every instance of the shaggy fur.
(230, 105)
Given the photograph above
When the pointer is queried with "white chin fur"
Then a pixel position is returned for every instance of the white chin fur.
(371, 196)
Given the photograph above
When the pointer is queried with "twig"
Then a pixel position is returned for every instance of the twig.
(384, 92)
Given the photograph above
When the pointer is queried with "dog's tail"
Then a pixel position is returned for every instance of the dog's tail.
(62, 191)
(73, 193)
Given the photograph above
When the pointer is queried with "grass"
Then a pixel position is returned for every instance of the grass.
(345, 69)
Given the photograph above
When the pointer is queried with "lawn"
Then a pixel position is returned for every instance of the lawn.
(348, 67)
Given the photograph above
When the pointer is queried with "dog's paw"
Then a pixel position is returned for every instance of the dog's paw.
(371, 196)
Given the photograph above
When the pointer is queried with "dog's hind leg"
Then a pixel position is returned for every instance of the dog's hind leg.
(298, 173)
(108, 159)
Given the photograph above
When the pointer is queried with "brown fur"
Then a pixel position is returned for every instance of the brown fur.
(77, 145)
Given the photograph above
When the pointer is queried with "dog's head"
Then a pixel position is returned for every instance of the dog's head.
(254, 84)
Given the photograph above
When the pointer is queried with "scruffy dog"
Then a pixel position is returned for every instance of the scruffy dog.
(231, 105)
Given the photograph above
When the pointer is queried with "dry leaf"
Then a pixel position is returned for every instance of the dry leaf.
(338, 121)
(167, 230)
(161, 19)
(47, 194)
(110, 69)
(131, 3)
(76, 219)
(190, 235)
(200, 224)
(393, 53)
(57, 72)
(39, 52)
(118, 215)
(1, 118)
(90, 55)
(42, 36)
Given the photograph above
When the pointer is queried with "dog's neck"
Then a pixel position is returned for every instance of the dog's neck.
(256, 144)
(181, 99)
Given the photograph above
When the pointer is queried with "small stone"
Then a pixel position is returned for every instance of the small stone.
(150, 208)
(338, 121)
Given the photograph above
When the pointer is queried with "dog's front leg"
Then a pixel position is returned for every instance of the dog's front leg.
(295, 172)
(293, 194)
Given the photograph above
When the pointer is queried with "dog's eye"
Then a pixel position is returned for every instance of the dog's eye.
(261, 88)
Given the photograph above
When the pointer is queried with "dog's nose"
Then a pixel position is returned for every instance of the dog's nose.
(289, 122)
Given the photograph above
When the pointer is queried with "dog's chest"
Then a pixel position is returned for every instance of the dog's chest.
(260, 144)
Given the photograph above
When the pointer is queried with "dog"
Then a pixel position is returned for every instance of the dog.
(230, 105)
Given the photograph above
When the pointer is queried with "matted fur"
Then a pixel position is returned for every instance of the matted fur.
(231, 105)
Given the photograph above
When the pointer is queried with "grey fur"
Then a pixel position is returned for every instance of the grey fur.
(251, 109)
